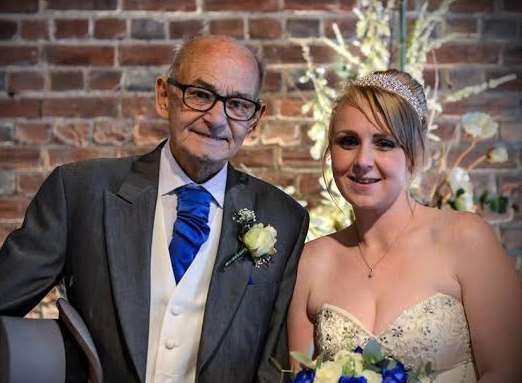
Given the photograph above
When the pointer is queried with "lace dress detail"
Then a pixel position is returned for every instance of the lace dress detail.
(434, 330)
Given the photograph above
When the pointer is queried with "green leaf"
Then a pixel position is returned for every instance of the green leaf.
(303, 359)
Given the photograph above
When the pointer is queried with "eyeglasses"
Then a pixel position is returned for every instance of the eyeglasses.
(203, 99)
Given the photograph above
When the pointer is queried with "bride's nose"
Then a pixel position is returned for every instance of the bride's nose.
(364, 160)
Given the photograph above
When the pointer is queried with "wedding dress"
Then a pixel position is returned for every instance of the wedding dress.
(434, 330)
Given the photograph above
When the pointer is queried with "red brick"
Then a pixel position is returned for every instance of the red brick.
(19, 6)
(80, 55)
(150, 133)
(15, 55)
(309, 183)
(82, 4)
(147, 29)
(281, 133)
(29, 183)
(265, 28)
(254, 157)
(496, 106)
(511, 131)
(138, 107)
(276, 54)
(110, 29)
(146, 55)
(229, 27)
(66, 80)
(299, 157)
(73, 134)
(291, 106)
(13, 207)
(461, 25)
(33, 133)
(186, 28)
(34, 29)
(70, 28)
(160, 5)
(84, 107)
(243, 5)
(513, 5)
(499, 28)
(8, 29)
(308, 5)
(272, 81)
(346, 27)
(66, 155)
(104, 80)
(302, 27)
(19, 157)
(513, 55)
(20, 81)
(467, 53)
(322, 54)
(29, 108)
(114, 133)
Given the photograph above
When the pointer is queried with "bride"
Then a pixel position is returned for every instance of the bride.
(430, 285)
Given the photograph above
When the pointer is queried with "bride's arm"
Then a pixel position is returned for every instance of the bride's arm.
(300, 327)
(492, 297)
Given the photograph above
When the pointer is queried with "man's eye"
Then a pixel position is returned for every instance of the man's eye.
(199, 94)
(239, 104)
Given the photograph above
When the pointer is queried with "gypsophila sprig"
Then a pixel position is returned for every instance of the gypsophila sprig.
(256, 239)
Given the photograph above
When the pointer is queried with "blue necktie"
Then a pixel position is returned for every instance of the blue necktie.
(191, 227)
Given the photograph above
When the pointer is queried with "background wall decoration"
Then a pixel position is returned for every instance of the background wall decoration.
(76, 80)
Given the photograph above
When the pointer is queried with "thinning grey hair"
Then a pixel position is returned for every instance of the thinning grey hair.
(187, 45)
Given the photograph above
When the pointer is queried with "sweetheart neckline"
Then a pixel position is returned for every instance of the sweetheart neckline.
(355, 320)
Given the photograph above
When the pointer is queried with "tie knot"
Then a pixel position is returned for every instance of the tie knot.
(193, 194)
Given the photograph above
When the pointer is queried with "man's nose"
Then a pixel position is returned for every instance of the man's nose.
(216, 115)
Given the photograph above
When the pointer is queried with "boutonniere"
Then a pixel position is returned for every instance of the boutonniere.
(256, 239)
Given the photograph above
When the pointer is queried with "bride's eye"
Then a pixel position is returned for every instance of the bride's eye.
(347, 141)
(385, 143)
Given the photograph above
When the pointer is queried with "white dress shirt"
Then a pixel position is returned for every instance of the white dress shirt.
(176, 311)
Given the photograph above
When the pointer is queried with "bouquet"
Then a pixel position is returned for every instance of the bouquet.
(367, 365)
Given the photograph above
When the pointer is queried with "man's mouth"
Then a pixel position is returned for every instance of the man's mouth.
(206, 135)
(364, 180)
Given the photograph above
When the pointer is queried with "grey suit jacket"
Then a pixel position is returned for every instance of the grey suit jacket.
(90, 227)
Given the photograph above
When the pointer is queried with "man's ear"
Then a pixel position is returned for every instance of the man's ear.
(161, 101)
(261, 112)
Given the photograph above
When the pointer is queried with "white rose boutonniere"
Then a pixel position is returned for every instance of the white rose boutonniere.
(257, 239)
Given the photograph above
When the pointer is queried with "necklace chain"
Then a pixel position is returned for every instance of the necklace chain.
(371, 268)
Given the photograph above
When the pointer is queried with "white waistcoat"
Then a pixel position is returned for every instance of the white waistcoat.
(176, 311)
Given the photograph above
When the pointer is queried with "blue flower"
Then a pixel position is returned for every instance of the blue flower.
(352, 379)
(304, 376)
(395, 375)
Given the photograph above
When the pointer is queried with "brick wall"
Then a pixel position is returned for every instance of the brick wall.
(76, 81)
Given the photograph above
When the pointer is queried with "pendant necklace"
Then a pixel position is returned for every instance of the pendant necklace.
(371, 268)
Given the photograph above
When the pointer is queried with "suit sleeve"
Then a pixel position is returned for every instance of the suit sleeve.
(276, 346)
(33, 256)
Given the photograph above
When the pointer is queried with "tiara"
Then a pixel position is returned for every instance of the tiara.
(391, 84)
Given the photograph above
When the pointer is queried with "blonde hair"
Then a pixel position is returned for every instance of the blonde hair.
(391, 112)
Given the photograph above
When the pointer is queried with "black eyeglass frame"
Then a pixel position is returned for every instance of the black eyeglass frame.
(217, 98)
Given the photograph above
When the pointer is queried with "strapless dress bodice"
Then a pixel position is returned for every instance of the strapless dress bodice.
(433, 330)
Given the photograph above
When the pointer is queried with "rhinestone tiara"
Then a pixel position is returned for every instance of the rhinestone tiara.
(389, 83)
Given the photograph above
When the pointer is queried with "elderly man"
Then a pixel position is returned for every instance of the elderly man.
(145, 245)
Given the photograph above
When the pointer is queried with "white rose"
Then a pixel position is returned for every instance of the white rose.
(424, 379)
(260, 240)
(498, 155)
(479, 125)
(371, 376)
(329, 372)
(459, 179)
(354, 360)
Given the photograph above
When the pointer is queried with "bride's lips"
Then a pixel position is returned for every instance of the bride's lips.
(364, 180)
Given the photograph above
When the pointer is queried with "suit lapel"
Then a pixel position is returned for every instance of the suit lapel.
(227, 286)
(129, 220)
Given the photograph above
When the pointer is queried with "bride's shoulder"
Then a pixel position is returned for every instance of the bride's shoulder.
(324, 247)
